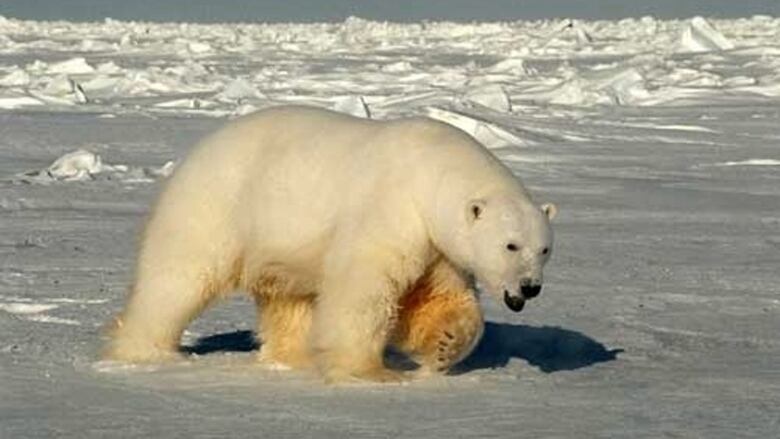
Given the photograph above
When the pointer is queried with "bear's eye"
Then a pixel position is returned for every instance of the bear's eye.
(545, 250)
(512, 247)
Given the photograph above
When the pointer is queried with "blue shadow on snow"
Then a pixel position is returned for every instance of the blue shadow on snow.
(237, 341)
(551, 349)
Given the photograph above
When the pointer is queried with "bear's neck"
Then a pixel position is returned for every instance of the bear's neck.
(447, 217)
(446, 178)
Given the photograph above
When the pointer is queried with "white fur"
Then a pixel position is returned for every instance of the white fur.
(302, 202)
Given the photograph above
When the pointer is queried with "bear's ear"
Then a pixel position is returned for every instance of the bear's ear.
(550, 210)
(475, 210)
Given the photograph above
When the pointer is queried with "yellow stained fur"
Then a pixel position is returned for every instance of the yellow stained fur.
(284, 324)
(438, 323)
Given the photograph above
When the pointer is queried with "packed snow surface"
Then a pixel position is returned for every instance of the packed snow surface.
(658, 140)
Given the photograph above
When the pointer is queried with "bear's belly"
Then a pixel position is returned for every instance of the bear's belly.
(282, 280)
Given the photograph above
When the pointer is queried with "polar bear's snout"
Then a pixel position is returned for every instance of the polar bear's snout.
(530, 291)
(515, 303)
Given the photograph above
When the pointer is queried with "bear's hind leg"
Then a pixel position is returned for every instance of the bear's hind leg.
(283, 327)
(439, 322)
(168, 294)
(150, 327)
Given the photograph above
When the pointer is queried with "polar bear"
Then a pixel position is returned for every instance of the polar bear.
(351, 235)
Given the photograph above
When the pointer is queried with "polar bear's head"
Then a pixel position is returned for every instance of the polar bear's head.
(504, 241)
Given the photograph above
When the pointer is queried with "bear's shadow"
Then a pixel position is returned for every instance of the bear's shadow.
(551, 349)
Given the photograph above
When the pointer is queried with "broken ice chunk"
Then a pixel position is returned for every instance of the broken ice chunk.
(700, 36)
(75, 166)
(490, 135)
(83, 165)
(354, 105)
(491, 96)
(17, 78)
(74, 66)
(238, 90)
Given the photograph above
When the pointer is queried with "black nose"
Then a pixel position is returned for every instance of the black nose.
(515, 303)
(530, 291)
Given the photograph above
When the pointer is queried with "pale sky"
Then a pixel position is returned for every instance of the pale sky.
(393, 10)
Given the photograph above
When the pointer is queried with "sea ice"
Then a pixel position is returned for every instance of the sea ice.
(74, 66)
(75, 166)
(43, 318)
(14, 102)
(354, 105)
(238, 90)
(268, 64)
(83, 165)
(619, 86)
(489, 134)
(751, 162)
(26, 308)
(17, 78)
(700, 36)
(512, 66)
(490, 96)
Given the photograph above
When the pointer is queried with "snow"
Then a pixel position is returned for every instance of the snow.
(658, 140)
(11, 102)
(752, 162)
(34, 312)
(25, 308)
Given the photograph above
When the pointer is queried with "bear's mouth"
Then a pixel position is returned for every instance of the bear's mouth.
(515, 303)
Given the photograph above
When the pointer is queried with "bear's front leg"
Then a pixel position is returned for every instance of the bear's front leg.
(440, 321)
(353, 317)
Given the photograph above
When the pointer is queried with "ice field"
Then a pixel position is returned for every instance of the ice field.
(659, 141)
